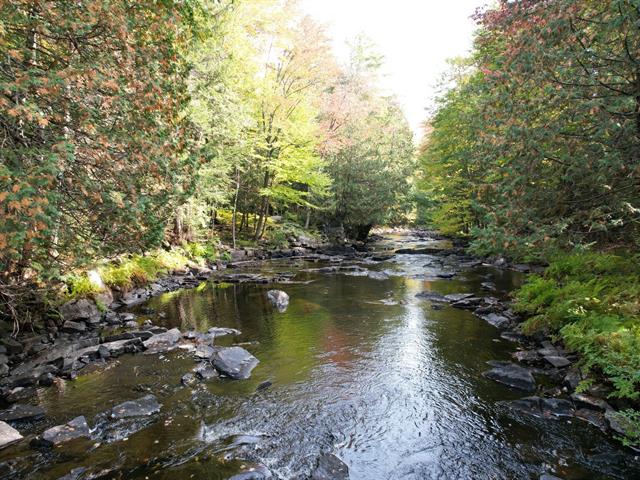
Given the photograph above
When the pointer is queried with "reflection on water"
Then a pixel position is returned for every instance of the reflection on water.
(359, 367)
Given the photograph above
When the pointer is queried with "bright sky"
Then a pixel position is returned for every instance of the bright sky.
(415, 36)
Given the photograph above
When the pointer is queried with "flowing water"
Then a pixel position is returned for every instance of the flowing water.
(359, 367)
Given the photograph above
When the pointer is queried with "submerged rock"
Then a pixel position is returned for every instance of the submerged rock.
(278, 299)
(76, 428)
(235, 362)
(144, 406)
(205, 371)
(498, 321)
(163, 341)
(222, 331)
(8, 435)
(512, 375)
(255, 473)
(22, 413)
(188, 380)
(330, 467)
(204, 351)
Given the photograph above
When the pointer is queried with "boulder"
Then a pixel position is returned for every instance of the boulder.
(143, 406)
(204, 351)
(456, 297)
(188, 380)
(278, 299)
(556, 407)
(163, 341)
(378, 275)
(81, 309)
(330, 467)
(235, 362)
(76, 428)
(8, 435)
(588, 401)
(557, 361)
(205, 371)
(221, 331)
(11, 346)
(259, 472)
(498, 321)
(593, 417)
(21, 413)
(513, 376)
(74, 327)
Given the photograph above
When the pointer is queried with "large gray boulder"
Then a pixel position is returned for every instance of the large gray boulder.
(512, 375)
(81, 309)
(163, 341)
(234, 362)
(8, 435)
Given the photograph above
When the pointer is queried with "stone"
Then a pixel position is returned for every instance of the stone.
(547, 476)
(235, 362)
(259, 472)
(445, 275)
(264, 385)
(278, 299)
(74, 474)
(188, 380)
(74, 327)
(204, 351)
(221, 331)
(164, 340)
(81, 309)
(529, 405)
(12, 346)
(330, 467)
(513, 376)
(526, 356)
(21, 413)
(556, 407)
(498, 321)
(456, 297)
(572, 378)
(76, 428)
(513, 337)
(19, 393)
(588, 401)
(593, 417)
(488, 286)
(134, 297)
(378, 275)
(432, 296)
(143, 406)
(205, 371)
(8, 435)
(557, 361)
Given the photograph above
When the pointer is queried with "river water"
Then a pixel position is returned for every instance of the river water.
(359, 367)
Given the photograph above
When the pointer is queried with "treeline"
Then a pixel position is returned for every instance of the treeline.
(124, 125)
(536, 145)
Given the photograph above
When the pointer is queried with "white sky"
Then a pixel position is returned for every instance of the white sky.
(415, 36)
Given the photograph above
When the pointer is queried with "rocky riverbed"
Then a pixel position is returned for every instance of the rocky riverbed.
(260, 369)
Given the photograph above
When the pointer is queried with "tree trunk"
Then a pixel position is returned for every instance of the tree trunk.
(235, 209)
(263, 209)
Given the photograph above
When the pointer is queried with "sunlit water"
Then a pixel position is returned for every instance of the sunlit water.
(359, 367)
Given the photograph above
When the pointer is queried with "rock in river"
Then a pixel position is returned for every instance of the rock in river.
(235, 362)
(76, 428)
(512, 375)
(146, 405)
(21, 413)
(163, 341)
(8, 435)
(330, 467)
(278, 299)
(256, 473)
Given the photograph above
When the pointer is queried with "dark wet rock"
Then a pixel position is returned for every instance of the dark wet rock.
(255, 473)
(619, 424)
(143, 406)
(235, 362)
(244, 278)
(547, 476)
(526, 356)
(81, 309)
(278, 299)
(513, 376)
(433, 296)
(513, 337)
(529, 405)
(131, 324)
(73, 327)
(593, 417)
(18, 394)
(205, 372)
(572, 378)
(134, 297)
(445, 275)
(221, 331)
(420, 251)
(8, 435)
(72, 430)
(498, 321)
(557, 361)
(470, 303)
(163, 341)
(75, 474)
(583, 400)
(204, 351)
(32, 376)
(188, 380)
(330, 467)
(264, 385)
(456, 297)
(22, 413)
(556, 407)
(120, 347)
(11, 345)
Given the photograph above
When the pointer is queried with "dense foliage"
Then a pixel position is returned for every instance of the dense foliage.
(538, 142)
(128, 124)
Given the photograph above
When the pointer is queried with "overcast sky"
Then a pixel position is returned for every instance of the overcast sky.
(415, 36)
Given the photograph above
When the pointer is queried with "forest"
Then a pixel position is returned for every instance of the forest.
(137, 137)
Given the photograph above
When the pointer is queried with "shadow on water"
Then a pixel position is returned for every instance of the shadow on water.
(359, 367)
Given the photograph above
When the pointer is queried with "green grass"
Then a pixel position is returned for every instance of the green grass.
(592, 302)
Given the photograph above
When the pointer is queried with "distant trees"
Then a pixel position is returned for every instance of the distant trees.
(546, 128)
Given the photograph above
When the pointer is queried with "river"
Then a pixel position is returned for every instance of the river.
(359, 367)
